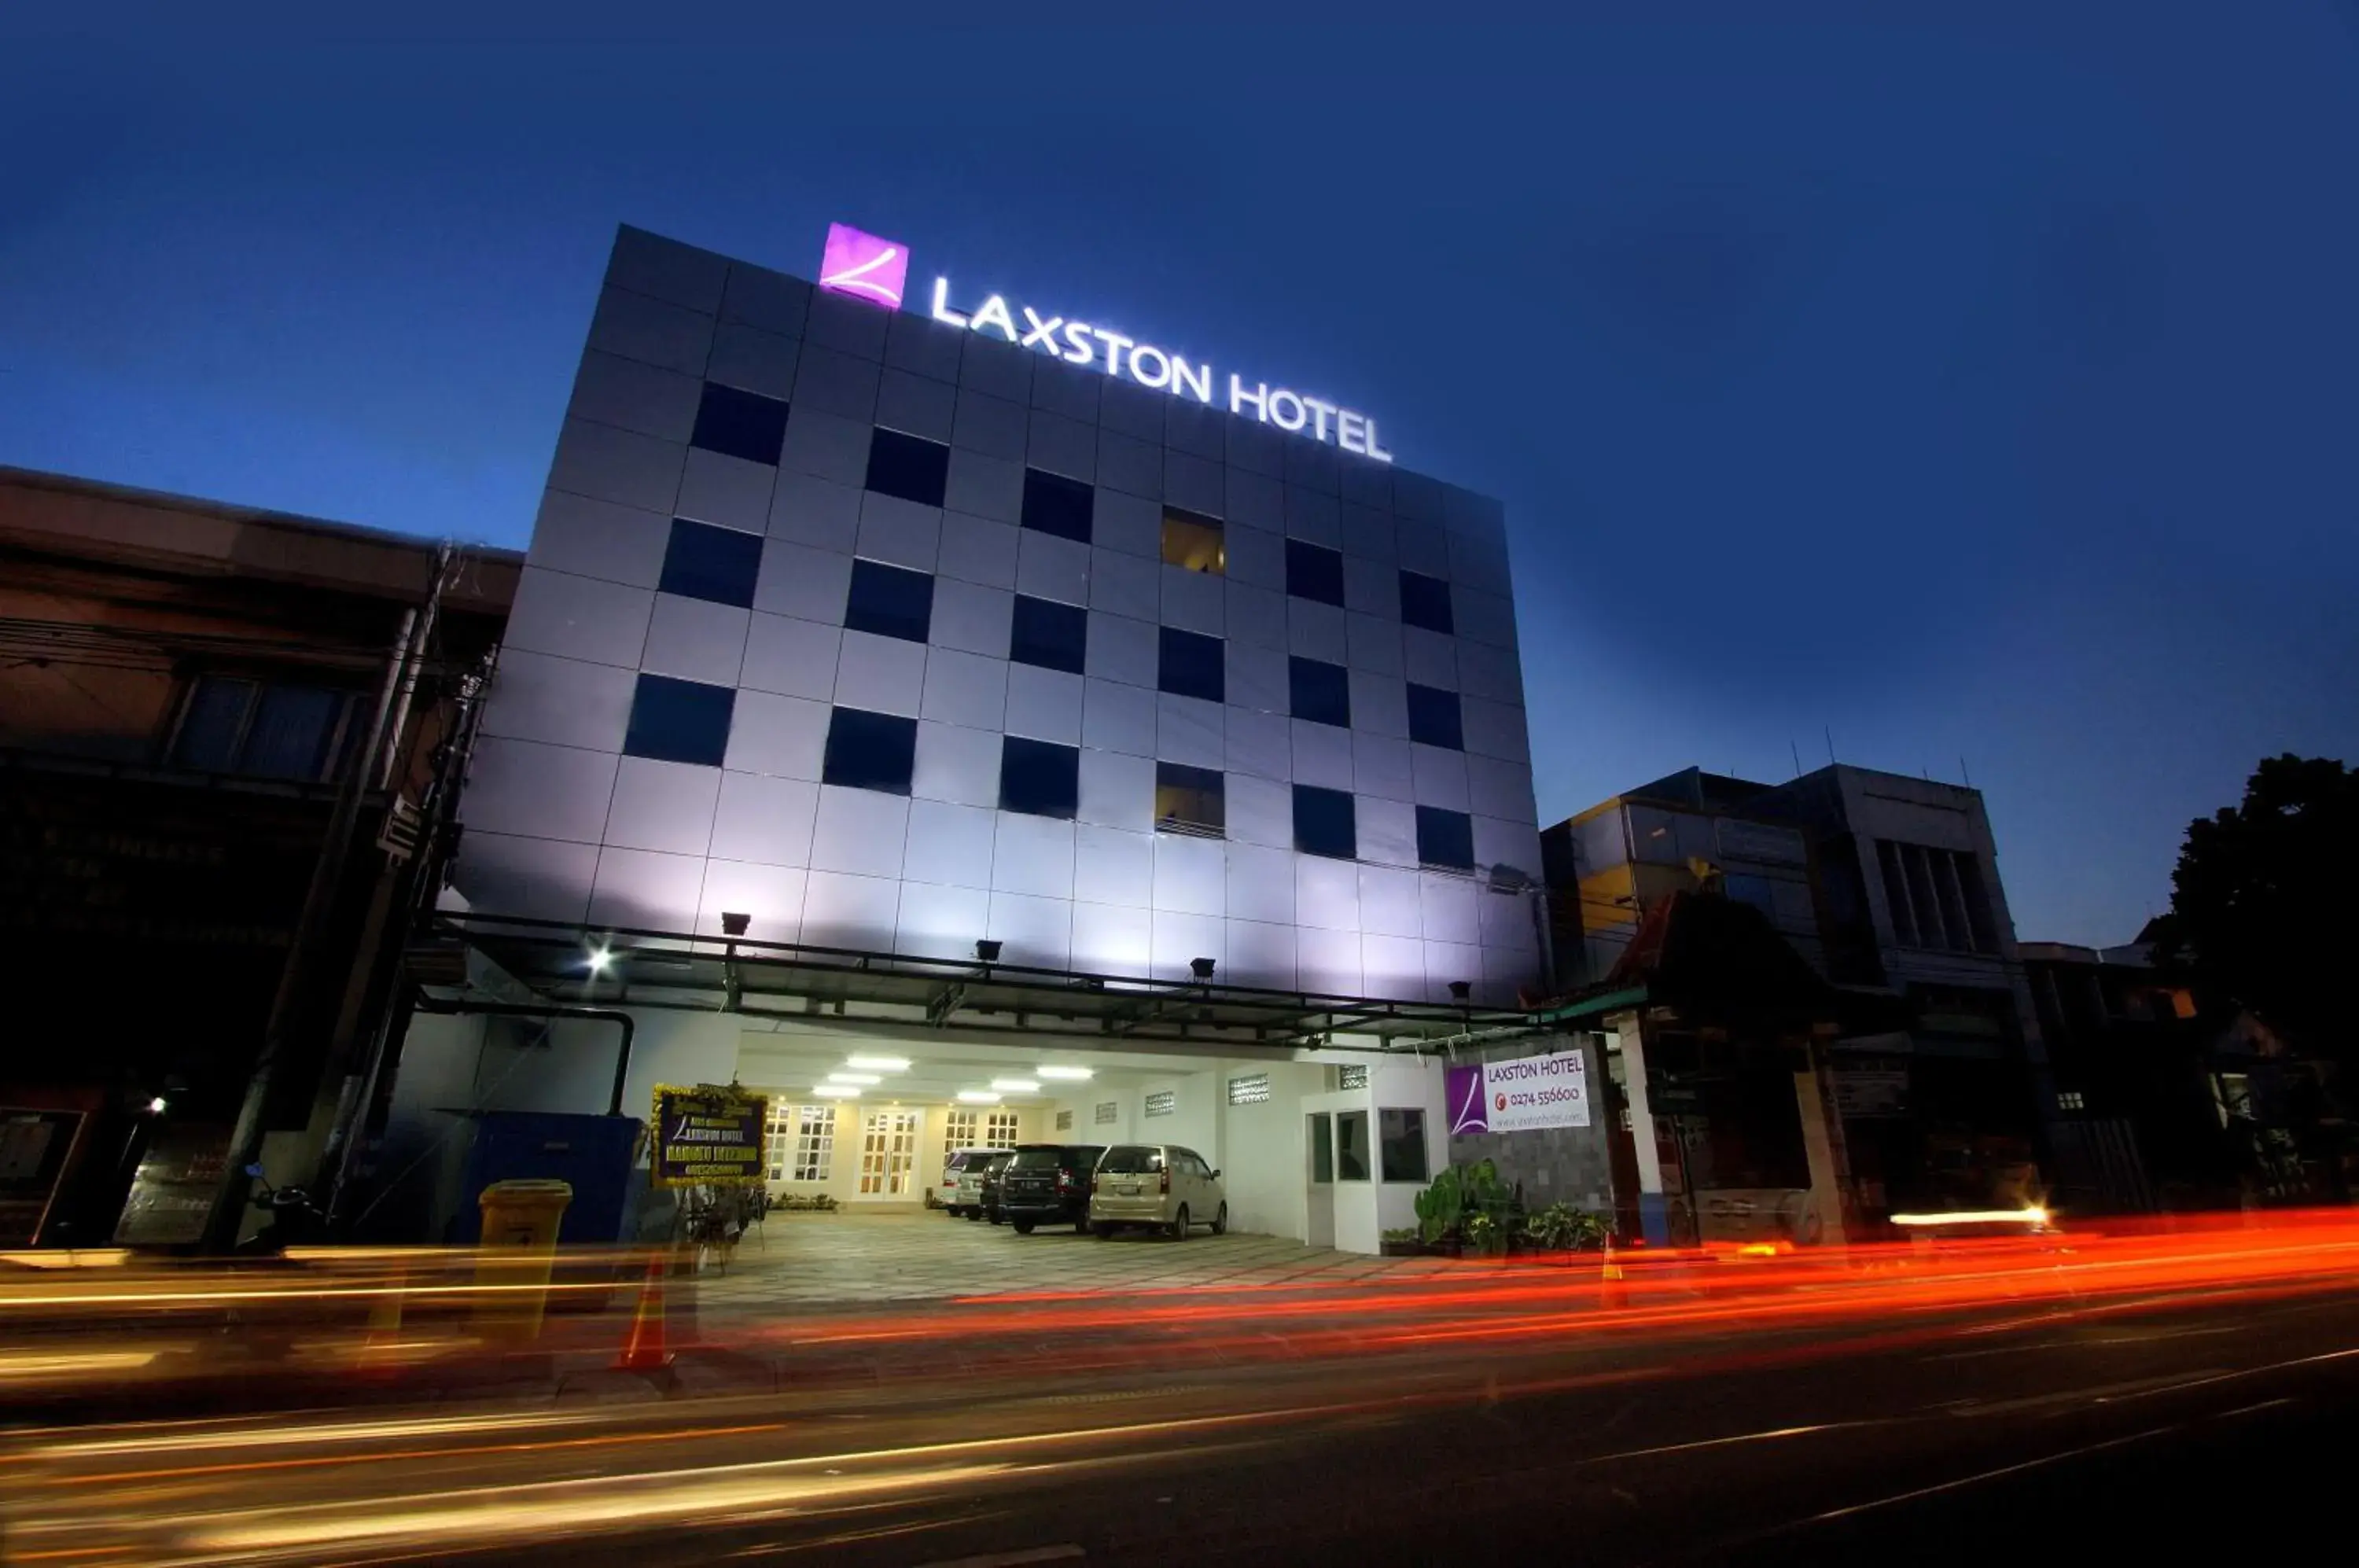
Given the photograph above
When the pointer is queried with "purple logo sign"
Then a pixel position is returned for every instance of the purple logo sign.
(857, 263)
(1468, 1111)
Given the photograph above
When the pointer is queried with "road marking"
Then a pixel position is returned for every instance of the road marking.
(2100, 1394)
(1720, 1441)
(1939, 1486)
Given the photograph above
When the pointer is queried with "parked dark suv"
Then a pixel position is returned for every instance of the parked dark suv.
(993, 1170)
(1048, 1183)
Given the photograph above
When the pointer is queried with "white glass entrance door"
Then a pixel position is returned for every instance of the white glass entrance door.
(888, 1149)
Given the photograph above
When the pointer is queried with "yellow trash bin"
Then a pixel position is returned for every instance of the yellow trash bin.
(520, 1221)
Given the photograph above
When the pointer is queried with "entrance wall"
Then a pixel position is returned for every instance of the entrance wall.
(1265, 1165)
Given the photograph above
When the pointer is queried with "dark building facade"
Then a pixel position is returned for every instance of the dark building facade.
(207, 716)
(1888, 887)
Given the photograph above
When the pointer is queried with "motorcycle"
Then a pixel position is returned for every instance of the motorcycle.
(293, 1220)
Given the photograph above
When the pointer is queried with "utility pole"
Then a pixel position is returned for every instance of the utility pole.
(289, 1007)
(389, 1012)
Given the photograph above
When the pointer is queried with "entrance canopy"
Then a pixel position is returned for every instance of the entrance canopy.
(574, 963)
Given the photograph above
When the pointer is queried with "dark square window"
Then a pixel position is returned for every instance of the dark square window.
(1433, 717)
(705, 563)
(890, 600)
(1314, 571)
(870, 751)
(1190, 800)
(1425, 602)
(1324, 822)
(1191, 665)
(740, 423)
(1445, 838)
(1050, 635)
(1040, 779)
(679, 720)
(1056, 505)
(1320, 692)
(908, 467)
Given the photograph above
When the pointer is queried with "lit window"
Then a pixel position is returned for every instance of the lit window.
(2070, 1100)
(1190, 800)
(1194, 541)
(799, 1141)
(778, 1133)
(1001, 1128)
(815, 1143)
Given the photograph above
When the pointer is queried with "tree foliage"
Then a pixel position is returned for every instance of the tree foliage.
(2265, 902)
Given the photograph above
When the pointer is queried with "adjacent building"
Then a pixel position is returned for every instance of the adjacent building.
(209, 716)
(1888, 887)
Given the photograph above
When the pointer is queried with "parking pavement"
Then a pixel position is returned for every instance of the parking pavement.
(849, 1256)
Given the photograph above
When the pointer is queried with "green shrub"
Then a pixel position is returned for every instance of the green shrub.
(1561, 1228)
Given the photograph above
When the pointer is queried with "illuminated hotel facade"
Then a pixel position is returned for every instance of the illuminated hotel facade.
(939, 636)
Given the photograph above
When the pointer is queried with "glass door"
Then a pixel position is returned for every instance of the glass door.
(888, 1149)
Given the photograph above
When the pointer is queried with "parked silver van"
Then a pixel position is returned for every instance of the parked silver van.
(1161, 1186)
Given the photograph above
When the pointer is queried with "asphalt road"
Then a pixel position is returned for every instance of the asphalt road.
(2015, 1433)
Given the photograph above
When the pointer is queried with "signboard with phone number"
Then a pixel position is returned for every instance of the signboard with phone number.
(1524, 1095)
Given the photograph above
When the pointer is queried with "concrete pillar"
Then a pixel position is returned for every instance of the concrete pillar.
(1822, 1146)
(1654, 1213)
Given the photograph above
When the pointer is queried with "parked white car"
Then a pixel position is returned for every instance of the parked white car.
(961, 1189)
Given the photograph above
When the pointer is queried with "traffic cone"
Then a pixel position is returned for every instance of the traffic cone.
(1611, 1294)
(643, 1347)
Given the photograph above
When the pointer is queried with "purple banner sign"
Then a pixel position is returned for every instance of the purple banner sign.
(1463, 1086)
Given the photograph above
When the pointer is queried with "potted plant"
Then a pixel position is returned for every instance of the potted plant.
(1457, 1197)
(1402, 1243)
(1441, 1209)
(1486, 1235)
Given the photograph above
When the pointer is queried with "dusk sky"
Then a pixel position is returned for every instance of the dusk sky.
(1980, 389)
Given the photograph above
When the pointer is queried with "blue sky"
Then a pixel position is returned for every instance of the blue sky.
(1976, 387)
